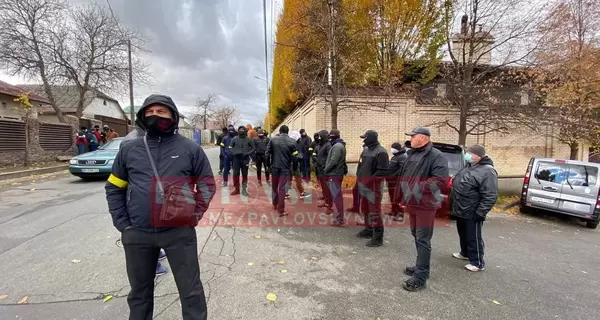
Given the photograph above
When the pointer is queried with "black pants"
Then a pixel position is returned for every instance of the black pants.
(421, 228)
(471, 242)
(334, 185)
(324, 182)
(355, 198)
(370, 207)
(221, 162)
(261, 161)
(279, 187)
(391, 184)
(240, 164)
(141, 252)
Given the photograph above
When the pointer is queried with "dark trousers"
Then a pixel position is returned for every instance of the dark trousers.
(93, 147)
(421, 228)
(355, 198)
(141, 252)
(80, 148)
(334, 185)
(221, 160)
(370, 207)
(227, 164)
(305, 168)
(391, 184)
(471, 242)
(240, 164)
(323, 181)
(279, 187)
(261, 162)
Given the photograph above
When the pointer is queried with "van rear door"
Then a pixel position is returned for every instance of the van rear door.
(580, 190)
(546, 184)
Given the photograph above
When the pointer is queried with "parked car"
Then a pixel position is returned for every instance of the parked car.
(455, 155)
(96, 164)
(566, 187)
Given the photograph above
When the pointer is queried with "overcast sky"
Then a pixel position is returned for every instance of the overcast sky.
(199, 47)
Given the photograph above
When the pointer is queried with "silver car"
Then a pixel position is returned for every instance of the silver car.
(563, 186)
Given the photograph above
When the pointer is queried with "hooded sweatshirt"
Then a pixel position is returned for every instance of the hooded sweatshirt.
(324, 147)
(242, 145)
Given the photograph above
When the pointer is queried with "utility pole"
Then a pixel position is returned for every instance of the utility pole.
(331, 66)
(131, 107)
(267, 68)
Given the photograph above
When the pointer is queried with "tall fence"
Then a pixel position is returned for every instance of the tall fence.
(55, 137)
(12, 136)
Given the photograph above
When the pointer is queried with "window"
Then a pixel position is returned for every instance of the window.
(551, 172)
(456, 161)
(582, 175)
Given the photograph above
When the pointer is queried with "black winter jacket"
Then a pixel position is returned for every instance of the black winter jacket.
(281, 151)
(372, 168)
(474, 190)
(260, 144)
(395, 165)
(335, 165)
(303, 146)
(242, 146)
(423, 178)
(323, 151)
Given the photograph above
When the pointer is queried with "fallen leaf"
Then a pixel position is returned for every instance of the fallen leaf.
(257, 236)
(250, 263)
(281, 262)
(107, 298)
(75, 261)
(583, 272)
(386, 241)
(23, 300)
(32, 189)
(271, 297)
(3, 296)
(314, 258)
(214, 238)
(284, 271)
(495, 302)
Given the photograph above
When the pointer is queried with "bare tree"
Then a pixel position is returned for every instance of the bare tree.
(259, 124)
(27, 29)
(484, 92)
(204, 111)
(93, 53)
(226, 116)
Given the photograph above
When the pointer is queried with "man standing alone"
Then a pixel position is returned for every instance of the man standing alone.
(148, 220)
(422, 178)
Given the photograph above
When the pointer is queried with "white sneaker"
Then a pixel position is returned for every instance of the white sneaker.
(459, 256)
(473, 268)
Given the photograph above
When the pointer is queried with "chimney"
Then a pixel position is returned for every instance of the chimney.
(464, 25)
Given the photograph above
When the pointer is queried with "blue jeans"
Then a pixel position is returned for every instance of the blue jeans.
(227, 165)
(80, 148)
(334, 184)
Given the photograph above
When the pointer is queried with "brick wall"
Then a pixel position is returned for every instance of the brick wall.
(393, 117)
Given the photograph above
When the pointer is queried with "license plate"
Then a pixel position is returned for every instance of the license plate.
(90, 170)
(543, 200)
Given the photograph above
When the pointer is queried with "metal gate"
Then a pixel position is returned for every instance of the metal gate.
(56, 137)
(12, 136)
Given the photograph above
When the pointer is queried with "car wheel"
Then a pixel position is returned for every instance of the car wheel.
(591, 224)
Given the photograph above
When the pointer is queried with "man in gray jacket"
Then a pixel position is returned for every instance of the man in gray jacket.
(335, 170)
(151, 198)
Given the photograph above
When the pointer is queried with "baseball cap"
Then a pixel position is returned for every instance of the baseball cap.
(369, 133)
(419, 130)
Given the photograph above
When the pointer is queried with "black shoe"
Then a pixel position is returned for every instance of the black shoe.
(235, 192)
(352, 210)
(375, 242)
(409, 271)
(367, 234)
(413, 285)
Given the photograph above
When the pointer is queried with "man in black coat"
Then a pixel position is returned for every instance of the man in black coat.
(423, 176)
(474, 193)
(324, 147)
(281, 151)
(394, 168)
(221, 156)
(242, 147)
(260, 143)
(371, 172)
(335, 170)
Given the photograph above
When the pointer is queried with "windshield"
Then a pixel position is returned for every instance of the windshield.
(111, 145)
(456, 161)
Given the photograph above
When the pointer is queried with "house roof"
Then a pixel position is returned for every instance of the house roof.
(16, 91)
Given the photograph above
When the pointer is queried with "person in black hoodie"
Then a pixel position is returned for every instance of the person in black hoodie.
(474, 193)
(335, 170)
(242, 148)
(260, 143)
(394, 168)
(314, 149)
(422, 179)
(221, 156)
(371, 172)
(304, 154)
(281, 152)
(324, 147)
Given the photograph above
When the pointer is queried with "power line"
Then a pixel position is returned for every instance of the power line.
(267, 66)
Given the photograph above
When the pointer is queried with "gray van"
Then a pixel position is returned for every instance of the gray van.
(563, 186)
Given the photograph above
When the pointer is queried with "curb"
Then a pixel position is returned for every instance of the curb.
(31, 172)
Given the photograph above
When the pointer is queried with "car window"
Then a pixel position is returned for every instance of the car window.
(456, 161)
(111, 145)
(582, 175)
(551, 172)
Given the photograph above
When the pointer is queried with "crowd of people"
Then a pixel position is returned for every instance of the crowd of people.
(415, 176)
(91, 139)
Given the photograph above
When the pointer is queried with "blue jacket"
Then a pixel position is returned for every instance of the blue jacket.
(226, 145)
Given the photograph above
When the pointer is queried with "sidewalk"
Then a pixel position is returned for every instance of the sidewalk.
(14, 172)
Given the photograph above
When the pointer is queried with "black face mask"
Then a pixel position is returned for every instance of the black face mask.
(159, 126)
(370, 140)
(242, 133)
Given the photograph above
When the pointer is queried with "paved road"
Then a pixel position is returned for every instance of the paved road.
(57, 248)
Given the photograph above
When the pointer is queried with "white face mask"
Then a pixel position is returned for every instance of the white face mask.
(394, 151)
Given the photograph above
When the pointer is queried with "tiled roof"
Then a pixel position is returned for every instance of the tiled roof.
(66, 97)
(16, 91)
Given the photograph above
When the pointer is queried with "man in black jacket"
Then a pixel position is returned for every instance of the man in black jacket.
(474, 193)
(335, 170)
(242, 148)
(371, 172)
(260, 143)
(423, 176)
(165, 161)
(324, 147)
(314, 149)
(304, 154)
(281, 151)
(394, 168)
(221, 157)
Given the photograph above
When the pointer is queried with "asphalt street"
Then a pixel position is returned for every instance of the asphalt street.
(59, 260)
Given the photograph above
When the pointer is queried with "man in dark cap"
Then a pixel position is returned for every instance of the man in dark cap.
(335, 170)
(423, 176)
(474, 193)
(260, 143)
(159, 207)
(371, 172)
(396, 162)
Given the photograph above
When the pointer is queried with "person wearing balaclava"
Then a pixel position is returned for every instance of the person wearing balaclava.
(396, 161)
(305, 152)
(227, 154)
(260, 143)
(474, 192)
(242, 147)
(314, 149)
(223, 133)
(324, 147)
(371, 172)
(335, 170)
(150, 176)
